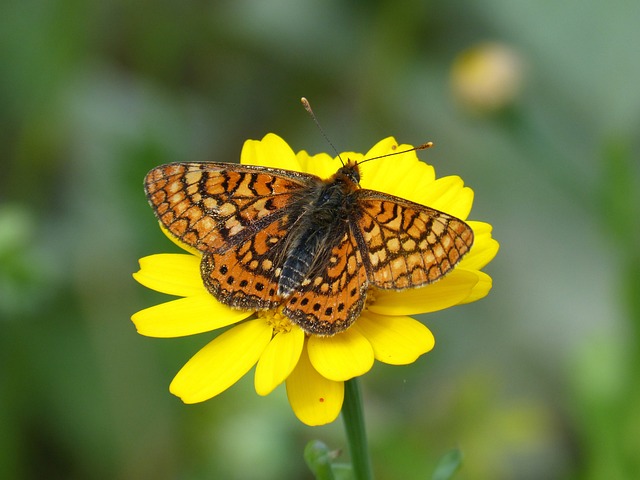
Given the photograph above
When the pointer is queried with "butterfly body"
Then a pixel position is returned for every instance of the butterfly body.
(272, 237)
(326, 209)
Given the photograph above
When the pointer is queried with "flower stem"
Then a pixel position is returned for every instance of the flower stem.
(352, 414)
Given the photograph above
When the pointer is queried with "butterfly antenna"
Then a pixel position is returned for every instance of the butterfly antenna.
(424, 146)
(307, 107)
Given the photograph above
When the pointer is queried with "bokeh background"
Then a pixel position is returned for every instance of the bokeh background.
(535, 104)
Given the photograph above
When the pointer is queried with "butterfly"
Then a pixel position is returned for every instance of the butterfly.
(274, 238)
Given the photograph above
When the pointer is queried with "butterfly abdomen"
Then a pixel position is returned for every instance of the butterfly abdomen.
(296, 268)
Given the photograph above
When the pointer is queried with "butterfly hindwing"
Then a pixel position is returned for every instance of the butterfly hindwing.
(406, 244)
(247, 276)
(333, 298)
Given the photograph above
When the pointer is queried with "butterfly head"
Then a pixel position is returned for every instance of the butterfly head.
(348, 174)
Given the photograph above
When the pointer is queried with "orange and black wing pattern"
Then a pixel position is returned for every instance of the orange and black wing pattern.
(405, 244)
(238, 216)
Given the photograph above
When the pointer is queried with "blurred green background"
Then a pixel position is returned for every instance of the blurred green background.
(538, 380)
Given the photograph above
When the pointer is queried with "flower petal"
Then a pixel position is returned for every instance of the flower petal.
(314, 399)
(186, 316)
(448, 194)
(272, 151)
(449, 291)
(222, 362)
(171, 273)
(484, 247)
(406, 176)
(341, 357)
(278, 360)
(481, 289)
(384, 147)
(321, 164)
(397, 340)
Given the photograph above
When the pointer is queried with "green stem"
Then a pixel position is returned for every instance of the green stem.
(352, 414)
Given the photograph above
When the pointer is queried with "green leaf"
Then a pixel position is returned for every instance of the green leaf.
(448, 465)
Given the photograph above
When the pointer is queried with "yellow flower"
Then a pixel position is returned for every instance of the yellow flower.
(313, 367)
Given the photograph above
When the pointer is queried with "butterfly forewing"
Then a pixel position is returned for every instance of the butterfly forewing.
(206, 205)
(406, 244)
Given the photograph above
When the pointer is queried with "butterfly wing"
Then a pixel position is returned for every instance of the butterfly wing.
(333, 298)
(238, 216)
(405, 244)
(215, 206)
(247, 276)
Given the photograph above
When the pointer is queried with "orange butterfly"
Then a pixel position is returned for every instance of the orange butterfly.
(272, 237)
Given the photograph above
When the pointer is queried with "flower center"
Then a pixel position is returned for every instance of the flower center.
(276, 319)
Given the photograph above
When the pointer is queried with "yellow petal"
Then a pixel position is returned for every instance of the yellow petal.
(341, 357)
(383, 147)
(321, 164)
(272, 151)
(449, 291)
(403, 175)
(314, 399)
(278, 360)
(419, 185)
(186, 316)
(484, 247)
(481, 289)
(448, 194)
(353, 156)
(171, 273)
(222, 362)
(397, 340)
(389, 146)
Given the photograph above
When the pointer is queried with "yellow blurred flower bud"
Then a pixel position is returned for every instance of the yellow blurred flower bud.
(487, 77)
